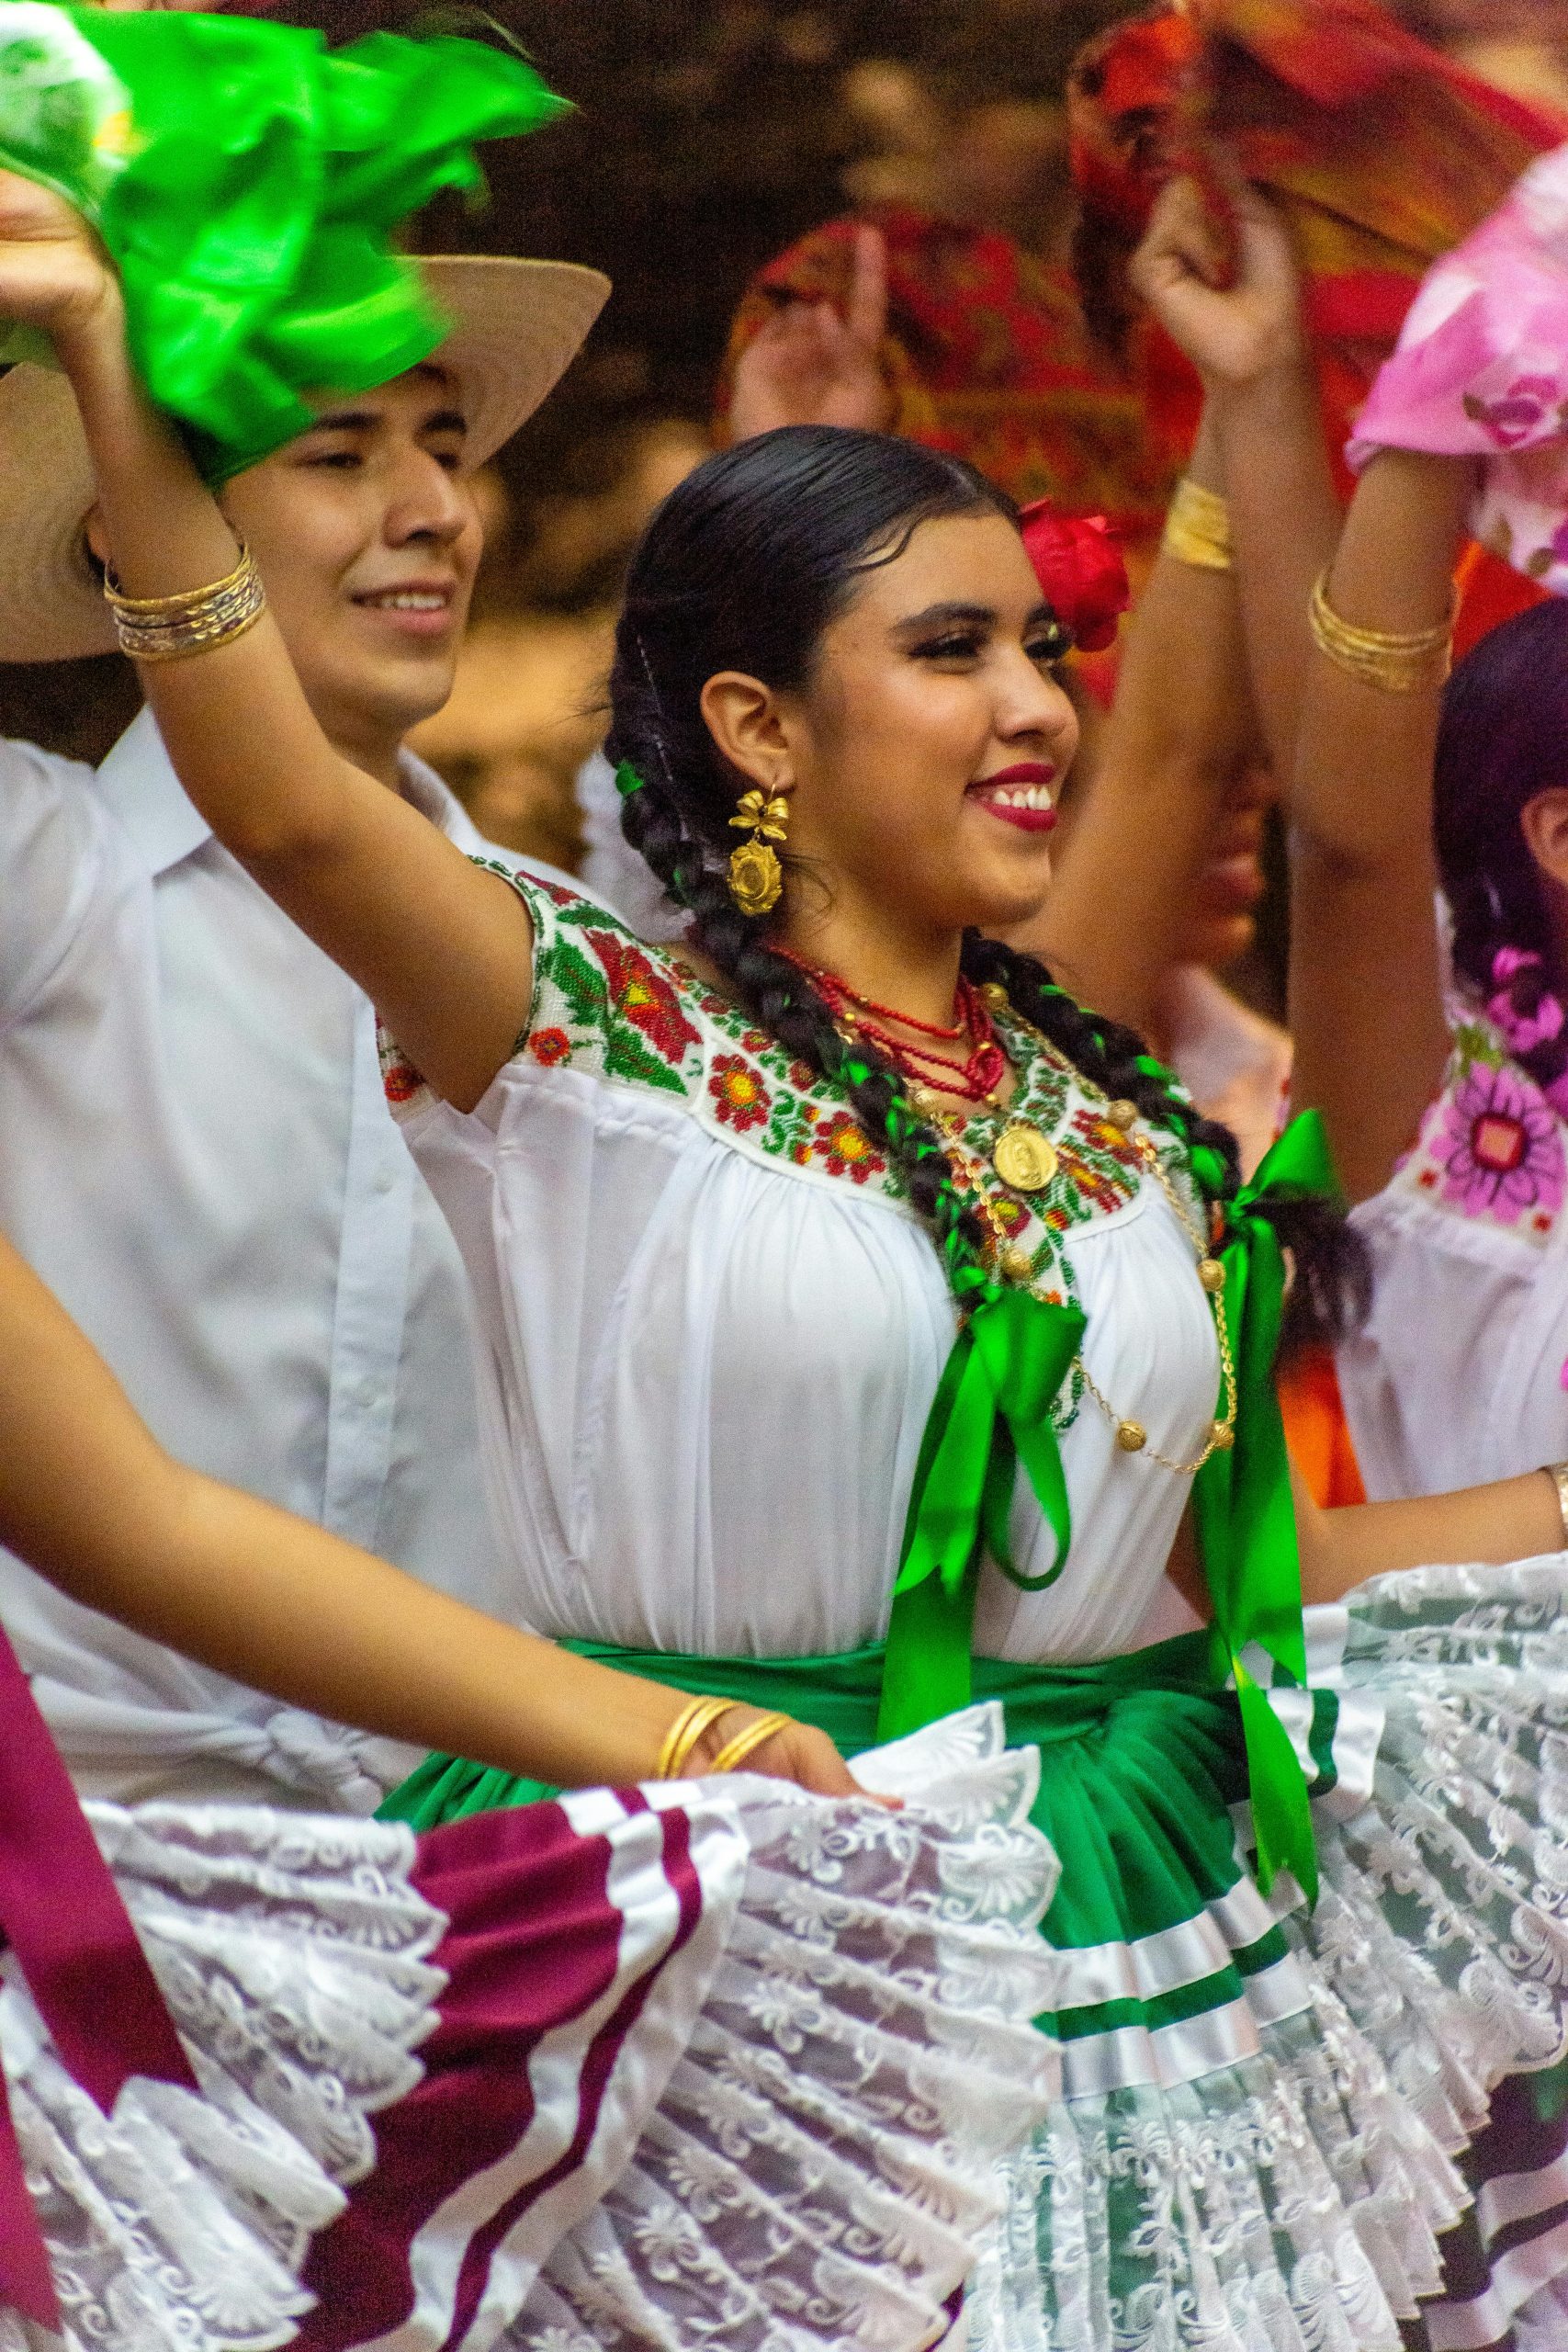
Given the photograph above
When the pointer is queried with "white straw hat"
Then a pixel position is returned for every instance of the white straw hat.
(516, 327)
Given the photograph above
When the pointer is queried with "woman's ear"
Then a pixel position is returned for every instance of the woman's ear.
(748, 728)
(97, 537)
(1543, 822)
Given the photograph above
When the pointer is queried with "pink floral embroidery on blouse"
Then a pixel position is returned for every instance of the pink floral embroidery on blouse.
(1501, 1147)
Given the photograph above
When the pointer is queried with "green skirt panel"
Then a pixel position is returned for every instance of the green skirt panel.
(1142, 1759)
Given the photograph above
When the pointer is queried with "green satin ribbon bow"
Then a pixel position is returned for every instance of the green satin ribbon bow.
(992, 1411)
(246, 181)
(1245, 1516)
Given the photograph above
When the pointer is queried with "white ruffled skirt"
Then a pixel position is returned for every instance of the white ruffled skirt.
(1267, 2112)
(716, 2064)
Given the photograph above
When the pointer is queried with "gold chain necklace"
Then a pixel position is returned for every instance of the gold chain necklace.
(1025, 1160)
(1132, 1436)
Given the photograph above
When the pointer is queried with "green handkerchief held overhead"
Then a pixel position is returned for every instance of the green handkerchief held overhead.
(247, 182)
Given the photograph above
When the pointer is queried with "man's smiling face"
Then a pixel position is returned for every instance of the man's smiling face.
(368, 538)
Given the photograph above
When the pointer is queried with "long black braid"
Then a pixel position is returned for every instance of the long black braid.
(742, 568)
(1500, 743)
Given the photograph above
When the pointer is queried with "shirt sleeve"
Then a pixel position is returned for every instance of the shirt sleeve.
(603, 1001)
(57, 870)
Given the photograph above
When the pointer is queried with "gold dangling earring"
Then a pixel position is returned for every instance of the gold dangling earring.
(756, 880)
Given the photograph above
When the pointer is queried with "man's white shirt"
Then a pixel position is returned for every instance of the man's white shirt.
(196, 1157)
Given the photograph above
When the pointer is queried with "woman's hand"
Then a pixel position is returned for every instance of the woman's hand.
(1233, 334)
(54, 273)
(797, 1752)
(808, 366)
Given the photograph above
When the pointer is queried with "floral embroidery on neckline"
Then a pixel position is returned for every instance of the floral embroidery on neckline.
(1491, 1146)
(605, 1002)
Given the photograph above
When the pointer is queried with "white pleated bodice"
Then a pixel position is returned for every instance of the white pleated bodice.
(711, 1329)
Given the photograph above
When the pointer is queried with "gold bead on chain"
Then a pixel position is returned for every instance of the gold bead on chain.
(1017, 1264)
(1132, 1436)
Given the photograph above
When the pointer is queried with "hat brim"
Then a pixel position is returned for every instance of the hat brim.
(516, 326)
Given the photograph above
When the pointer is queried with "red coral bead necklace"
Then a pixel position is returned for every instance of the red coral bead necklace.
(975, 1079)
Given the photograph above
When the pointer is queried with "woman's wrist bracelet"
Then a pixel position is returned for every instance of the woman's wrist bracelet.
(1557, 1474)
(1393, 662)
(684, 1733)
(733, 1752)
(1198, 529)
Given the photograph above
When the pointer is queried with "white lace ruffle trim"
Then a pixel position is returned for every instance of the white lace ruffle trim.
(1290, 2200)
(815, 2174)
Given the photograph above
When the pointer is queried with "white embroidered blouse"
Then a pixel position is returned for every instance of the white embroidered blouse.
(1459, 1374)
(711, 1327)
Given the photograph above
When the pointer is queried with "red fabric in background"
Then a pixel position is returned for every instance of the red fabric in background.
(1382, 153)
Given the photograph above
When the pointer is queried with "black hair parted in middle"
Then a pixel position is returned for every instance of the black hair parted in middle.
(744, 567)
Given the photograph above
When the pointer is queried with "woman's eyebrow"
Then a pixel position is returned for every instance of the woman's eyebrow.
(961, 616)
(948, 616)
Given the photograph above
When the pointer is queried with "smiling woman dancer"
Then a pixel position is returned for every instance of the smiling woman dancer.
(721, 1215)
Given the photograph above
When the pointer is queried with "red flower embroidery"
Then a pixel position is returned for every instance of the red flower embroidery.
(1100, 1189)
(848, 1150)
(1112, 1141)
(400, 1080)
(739, 1096)
(549, 1046)
(639, 991)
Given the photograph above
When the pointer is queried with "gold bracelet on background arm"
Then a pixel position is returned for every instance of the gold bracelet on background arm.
(1393, 662)
(733, 1752)
(165, 628)
(684, 1733)
(1557, 1474)
(1198, 529)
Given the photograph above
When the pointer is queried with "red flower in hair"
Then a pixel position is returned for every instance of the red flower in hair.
(1080, 572)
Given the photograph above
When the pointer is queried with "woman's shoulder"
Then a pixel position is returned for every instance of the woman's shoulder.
(1488, 1156)
(640, 1018)
(604, 1000)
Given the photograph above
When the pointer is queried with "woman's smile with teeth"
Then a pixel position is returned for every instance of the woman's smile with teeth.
(407, 600)
(1018, 796)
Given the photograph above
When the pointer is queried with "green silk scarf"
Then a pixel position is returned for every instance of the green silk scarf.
(247, 183)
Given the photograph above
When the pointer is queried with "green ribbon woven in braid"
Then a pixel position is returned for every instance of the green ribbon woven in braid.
(247, 183)
(992, 1411)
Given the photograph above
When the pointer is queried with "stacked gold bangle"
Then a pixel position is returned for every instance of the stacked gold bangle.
(696, 1717)
(1198, 529)
(1557, 1474)
(165, 629)
(733, 1754)
(684, 1733)
(1392, 663)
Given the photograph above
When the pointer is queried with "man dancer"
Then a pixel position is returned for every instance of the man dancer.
(195, 1151)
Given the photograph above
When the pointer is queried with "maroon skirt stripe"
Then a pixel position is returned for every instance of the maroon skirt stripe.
(534, 1942)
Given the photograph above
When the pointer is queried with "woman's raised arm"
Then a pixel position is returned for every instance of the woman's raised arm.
(1182, 728)
(1367, 1005)
(442, 949)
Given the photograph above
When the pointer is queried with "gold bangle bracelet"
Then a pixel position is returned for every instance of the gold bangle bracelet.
(173, 609)
(735, 1751)
(166, 628)
(1396, 663)
(1557, 1474)
(684, 1733)
(1198, 529)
